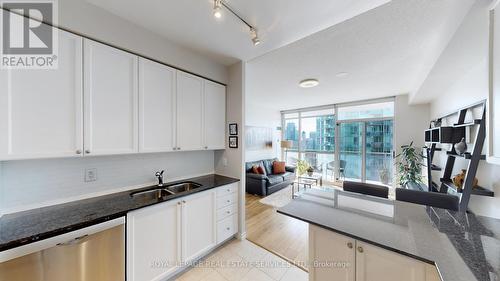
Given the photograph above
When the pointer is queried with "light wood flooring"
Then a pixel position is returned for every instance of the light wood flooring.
(280, 234)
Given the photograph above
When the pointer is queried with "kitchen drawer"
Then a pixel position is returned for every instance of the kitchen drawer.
(227, 200)
(227, 211)
(227, 189)
(227, 228)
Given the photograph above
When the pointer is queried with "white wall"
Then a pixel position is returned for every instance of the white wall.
(29, 183)
(410, 121)
(261, 115)
(467, 56)
(86, 19)
(230, 161)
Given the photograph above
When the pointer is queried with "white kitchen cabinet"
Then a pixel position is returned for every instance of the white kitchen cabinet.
(154, 241)
(332, 255)
(374, 263)
(156, 107)
(329, 251)
(111, 100)
(189, 112)
(214, 115)
(41, 110)
(198, 224)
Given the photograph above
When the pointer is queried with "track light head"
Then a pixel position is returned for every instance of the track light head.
(217, 9)
(255, 37)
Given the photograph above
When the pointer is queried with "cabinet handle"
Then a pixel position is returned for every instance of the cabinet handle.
(87, 151)
(228, 201)
(228, 190)
(360, 249)
(228, 212)
(174, 148)
(178, 148)
(349, 245)
(227, 228)
(178, 203)
(78, 151)
(206, 147)
(183, 202)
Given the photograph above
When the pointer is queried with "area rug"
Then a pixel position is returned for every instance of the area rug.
(279, 198)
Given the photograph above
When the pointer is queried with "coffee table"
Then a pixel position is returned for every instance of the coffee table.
(317, 178)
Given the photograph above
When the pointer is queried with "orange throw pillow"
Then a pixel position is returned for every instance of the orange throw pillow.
(278, 167)
(261, 170)
(255, 169)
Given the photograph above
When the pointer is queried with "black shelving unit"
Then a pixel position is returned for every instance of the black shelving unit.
(452, 135)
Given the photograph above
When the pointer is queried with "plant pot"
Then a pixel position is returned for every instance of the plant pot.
(310, 173)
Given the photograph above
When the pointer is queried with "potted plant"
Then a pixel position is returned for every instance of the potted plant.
(384, 175)
(409, 165)
(302, 167)
(310, 171)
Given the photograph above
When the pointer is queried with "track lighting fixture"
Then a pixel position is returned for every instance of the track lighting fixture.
(217, 9)
(255, 37)
(218, 4)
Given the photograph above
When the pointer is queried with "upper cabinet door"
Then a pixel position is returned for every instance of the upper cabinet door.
(41, 110)
(189, 112)
(111, 100)
(215, 115)
(156, 107)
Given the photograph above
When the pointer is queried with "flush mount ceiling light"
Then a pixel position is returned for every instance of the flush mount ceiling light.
(309, 83)
(218, 4)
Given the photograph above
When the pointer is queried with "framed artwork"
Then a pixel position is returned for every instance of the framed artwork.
(258, 138)
(493, 120)
(233, 129)
(233, 142)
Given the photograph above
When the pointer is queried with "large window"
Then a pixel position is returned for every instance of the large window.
(364, 140)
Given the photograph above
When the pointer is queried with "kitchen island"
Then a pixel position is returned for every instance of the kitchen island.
(461, 246)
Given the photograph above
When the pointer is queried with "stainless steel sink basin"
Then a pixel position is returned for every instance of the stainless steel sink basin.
(152, 193)
(183, 186)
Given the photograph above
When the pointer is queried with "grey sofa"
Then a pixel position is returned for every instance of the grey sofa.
(268, 183)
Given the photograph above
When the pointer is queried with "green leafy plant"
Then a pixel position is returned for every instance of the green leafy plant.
(302, 167)
(409, 165)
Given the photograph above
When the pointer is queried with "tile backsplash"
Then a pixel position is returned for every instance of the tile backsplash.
(33, 182)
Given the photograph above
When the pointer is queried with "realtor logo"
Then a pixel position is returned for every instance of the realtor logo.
(26, 42)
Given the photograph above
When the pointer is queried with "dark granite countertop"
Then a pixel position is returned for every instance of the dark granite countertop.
(463, 246)
(26, 227)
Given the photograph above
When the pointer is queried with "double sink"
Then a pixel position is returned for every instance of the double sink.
(165, 190)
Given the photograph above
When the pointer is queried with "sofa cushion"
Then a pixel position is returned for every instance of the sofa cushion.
(278, 167)
(249, 165)
(288, 176)
(274, 179)
(268, 166)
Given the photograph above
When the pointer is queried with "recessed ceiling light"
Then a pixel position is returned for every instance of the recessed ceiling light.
(308, 83)
(342, 74)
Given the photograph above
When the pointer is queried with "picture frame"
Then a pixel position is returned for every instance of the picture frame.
(493, 118)
(233, 129)
(233, 142)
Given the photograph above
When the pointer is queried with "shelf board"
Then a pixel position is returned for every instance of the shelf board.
(435, 168)
(478, 190)
(475, 122)
(466, 155)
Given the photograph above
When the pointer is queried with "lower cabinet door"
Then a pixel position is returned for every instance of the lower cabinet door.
(198, 224)
(331, 256)
(153, 241)
(374, 264)
(227, 228)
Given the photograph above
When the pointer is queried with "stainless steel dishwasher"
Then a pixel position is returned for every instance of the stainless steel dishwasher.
(96, 254)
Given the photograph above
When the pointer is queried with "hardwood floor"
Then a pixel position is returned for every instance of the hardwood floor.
(282, 235)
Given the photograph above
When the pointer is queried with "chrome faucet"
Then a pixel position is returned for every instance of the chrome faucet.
(159, 175)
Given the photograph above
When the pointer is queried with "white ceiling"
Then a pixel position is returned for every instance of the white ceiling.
(279, 22)
(387, 51)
